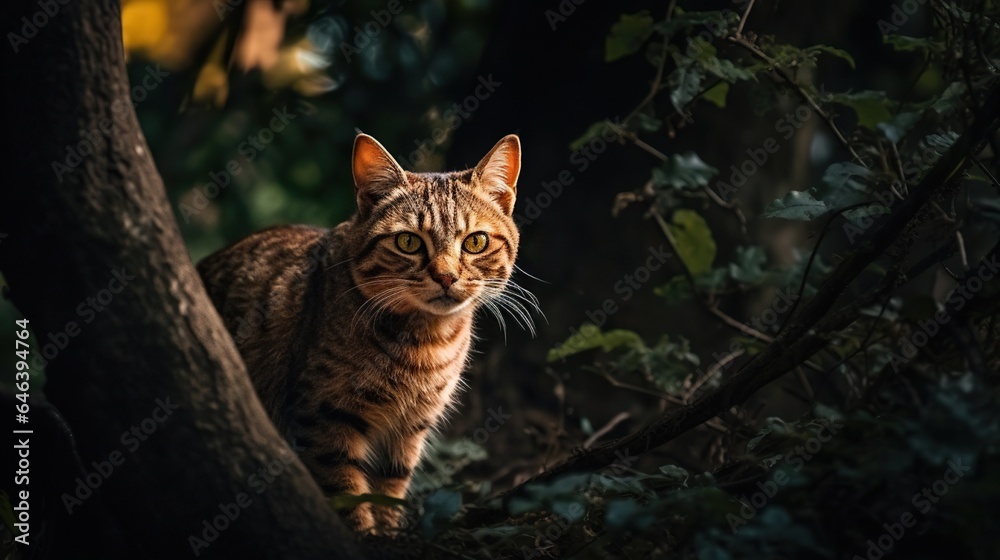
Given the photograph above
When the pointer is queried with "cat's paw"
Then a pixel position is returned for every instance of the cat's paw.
(359, 518)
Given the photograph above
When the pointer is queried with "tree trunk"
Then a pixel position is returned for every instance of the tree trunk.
(164, 417)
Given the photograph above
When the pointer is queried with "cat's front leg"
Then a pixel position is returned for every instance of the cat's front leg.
(391, 477)
(337, 464)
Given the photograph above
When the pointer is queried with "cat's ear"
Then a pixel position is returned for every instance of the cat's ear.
(376, 173)
(497, 172)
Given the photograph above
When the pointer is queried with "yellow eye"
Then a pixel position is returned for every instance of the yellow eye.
(408, 243)
(476, 243)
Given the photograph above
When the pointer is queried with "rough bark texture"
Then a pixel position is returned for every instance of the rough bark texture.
(157, 339)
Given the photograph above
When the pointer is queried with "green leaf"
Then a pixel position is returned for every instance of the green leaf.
(714, 20)
(343, 501)
(647, 122)
(871, 107)
(902, 43)
(628, 35)
(693, 240)
(796, 205)
(674, 472)
(593, 131)
(684, 82)
(621, 515)
(590, 337)
(677, 290)
(951, 99)
(684, 171)
(439, 507)
(749, 265)
(844, 184)
(839, 53)
(717, 94)
(896, 128)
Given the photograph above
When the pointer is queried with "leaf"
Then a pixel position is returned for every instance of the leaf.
(675, 291)
(593, 131)
(343, 501)
(896, 128)
(902, 43)
(796, 205)
(951, 99)
(628, 35)
(648, 123)
(682, 171)
(674, 472)
(839, 53)
(748, 267)
(684, 82)
(713, 20)
(693, 240)
(845, 175)
(716, 95)
(871, 107)
(627, 514)
(439, 507)
(590, 337)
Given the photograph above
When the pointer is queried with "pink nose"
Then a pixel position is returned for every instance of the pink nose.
(446, 280)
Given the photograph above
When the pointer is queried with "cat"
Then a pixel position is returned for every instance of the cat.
(356, 337)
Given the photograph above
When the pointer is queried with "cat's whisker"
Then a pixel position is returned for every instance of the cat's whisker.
(517, 311)
(529, 275)
(332, 266)
(492, 308)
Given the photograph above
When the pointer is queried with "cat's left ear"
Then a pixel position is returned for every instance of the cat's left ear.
(376, 173)
(497, 172)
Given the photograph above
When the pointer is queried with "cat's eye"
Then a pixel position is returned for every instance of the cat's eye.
(476, 243)
(408, 243)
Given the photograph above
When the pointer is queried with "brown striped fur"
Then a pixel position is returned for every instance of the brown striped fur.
(355, 347)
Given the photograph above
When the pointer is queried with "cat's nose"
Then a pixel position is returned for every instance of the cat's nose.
(445, 279)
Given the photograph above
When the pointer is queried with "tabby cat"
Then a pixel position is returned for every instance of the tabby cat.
(356, 337)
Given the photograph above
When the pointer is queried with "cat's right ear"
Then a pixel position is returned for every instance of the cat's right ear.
(376, 173)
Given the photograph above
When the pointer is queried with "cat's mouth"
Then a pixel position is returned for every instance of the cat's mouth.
(446, 304)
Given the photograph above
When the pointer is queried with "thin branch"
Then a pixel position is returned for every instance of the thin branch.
(618, 419)
(743, 42)
(808, 333)
(743, 20)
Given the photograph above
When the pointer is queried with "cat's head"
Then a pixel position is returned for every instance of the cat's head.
(434, 243)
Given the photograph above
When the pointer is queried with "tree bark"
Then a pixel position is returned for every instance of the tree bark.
(139, 363)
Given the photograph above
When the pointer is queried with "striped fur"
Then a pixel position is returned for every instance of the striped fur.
(355, 347)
